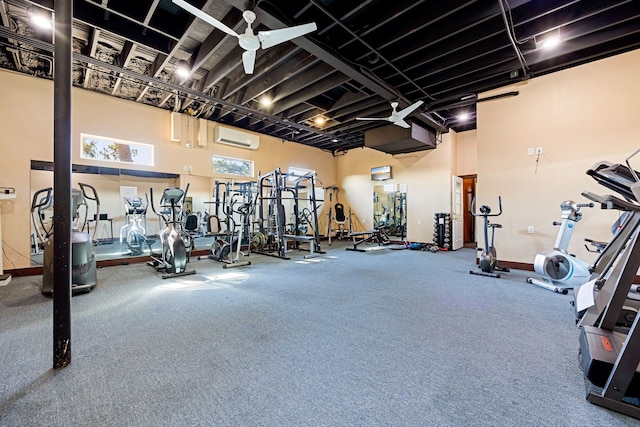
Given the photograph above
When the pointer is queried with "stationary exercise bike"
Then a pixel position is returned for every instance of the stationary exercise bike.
(488, 262)
(560, 270)
(175, 251)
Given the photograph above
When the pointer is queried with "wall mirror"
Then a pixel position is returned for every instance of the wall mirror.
(113, 185)
(390, 209)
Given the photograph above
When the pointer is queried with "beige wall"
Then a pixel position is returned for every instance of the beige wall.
(26, 117)
(426, 173)
(578, 116)
(467, 153)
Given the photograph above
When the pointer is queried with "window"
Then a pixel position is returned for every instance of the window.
(115, 150)
(232, 166)
(295, 173)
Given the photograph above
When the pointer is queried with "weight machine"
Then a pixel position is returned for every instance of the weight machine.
(274, 232)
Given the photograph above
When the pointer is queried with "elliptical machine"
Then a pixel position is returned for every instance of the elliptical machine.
(174, 253)
(83, 254)
(133, 232)
(560, 270)
(488, 262)
(226, 245)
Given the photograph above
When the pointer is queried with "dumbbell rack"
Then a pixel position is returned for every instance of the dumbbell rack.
(442, 230)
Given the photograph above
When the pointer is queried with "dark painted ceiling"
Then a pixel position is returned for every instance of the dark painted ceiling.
(364, 55)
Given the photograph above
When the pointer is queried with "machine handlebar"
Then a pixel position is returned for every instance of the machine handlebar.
(35, 204)
(485, 211)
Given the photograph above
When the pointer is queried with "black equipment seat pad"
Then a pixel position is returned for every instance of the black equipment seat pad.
(340, 217)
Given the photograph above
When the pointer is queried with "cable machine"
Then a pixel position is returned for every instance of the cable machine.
(305, 217)
(268, 239)
(274, 233)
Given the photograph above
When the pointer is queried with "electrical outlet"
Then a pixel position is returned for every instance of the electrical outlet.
(538, 150)
(419, 221)
(185, 168)
(530, 151)
(530, 229)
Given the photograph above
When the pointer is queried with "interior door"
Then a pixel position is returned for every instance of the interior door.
(457, 237)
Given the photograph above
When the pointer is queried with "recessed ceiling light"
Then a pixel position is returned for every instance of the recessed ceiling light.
(40, 18)
(548, 40)
(182, 69)
(266, 101)
(551, 42)
(320, 120)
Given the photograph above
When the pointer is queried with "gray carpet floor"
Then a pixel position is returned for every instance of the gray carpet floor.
(384, 338)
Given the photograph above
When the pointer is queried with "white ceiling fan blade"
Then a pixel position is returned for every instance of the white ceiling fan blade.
(274, 37)
(371, 118)
(404, 113)
(207, 18)
(249, 60)
(402, 124)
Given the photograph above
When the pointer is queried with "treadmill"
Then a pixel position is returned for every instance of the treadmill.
(610, 351)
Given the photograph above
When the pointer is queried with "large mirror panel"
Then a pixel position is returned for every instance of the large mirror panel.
(390, 209)
(124, 209)
(115, 215)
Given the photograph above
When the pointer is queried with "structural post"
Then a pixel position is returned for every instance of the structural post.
(62, 184)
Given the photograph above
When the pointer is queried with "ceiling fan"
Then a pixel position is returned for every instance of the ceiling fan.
(248, 40)
(397, 117)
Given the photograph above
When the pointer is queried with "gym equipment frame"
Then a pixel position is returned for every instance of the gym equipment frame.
(174, 254)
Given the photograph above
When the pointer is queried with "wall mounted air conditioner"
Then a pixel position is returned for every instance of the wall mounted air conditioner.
(236, 138)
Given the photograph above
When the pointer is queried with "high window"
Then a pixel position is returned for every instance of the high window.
(232, 166)
(115, 150)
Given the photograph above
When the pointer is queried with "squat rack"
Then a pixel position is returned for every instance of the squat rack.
(272, 234)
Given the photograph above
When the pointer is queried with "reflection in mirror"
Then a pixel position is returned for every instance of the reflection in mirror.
(126, 225)
(390, 209)
(113, 187)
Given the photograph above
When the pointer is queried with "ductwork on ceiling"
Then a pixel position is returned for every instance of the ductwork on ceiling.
(392, 139)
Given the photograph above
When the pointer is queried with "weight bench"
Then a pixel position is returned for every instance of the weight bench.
(369, 236)
(303, 239)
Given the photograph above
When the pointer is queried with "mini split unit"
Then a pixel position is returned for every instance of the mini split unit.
(190, 130)
(229, 136)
